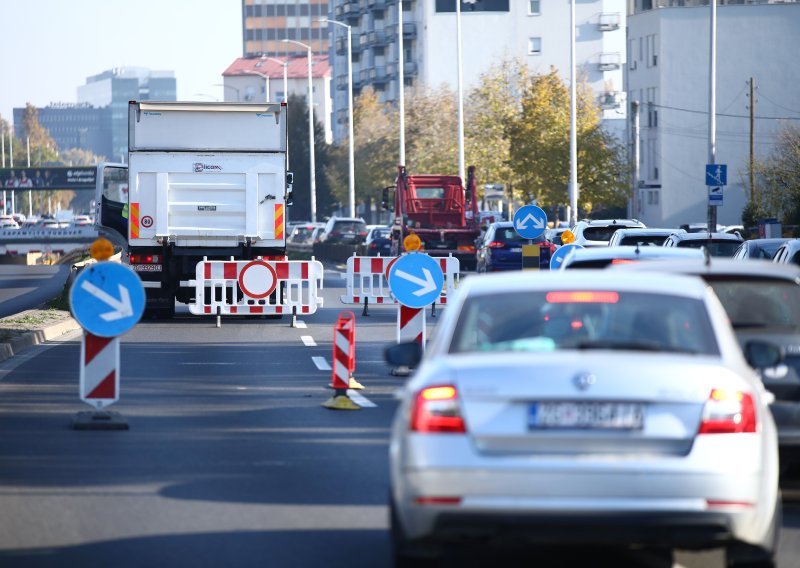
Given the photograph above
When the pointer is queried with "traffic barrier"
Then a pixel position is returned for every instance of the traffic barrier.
(344, 363)
(411, 326)
(268, 287)
(367, 279)
(99, 373)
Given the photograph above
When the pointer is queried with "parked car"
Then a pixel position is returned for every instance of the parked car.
(8, 222)
(584, 408)
(641, 237)
(600, 257)
(344, 230)
(597, 232)
(378, 241)
(82, 221)
(501, 249)
(762, 300)
(788, 253)
(700, 228)
(717, 244)
(302, 236)
(758, 248)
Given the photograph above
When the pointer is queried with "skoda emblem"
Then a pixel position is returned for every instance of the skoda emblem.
(583, 381)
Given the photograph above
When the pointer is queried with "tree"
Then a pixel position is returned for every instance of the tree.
(432, 131)
(779, 179)
(540, 146)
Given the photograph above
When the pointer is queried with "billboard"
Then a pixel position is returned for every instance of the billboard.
(50, 178)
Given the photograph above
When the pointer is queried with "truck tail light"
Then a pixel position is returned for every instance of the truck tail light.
(728, 412)
(145, 259)
(466, 248)
(436, 409)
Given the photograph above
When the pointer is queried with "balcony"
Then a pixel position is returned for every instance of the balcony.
(609, 61)
(363, 76)
(351, 9)
(378, 74)
(341, 116)
(609, 100)
(609, 22)
(341, 82)
(376, 4)
(375, 38)
(409, 69)
(409, 30)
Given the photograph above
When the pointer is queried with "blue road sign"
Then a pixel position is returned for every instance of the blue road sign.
(716, 174)
(558, 257)
(715, 196)
(416, 280)
(107, 299)
(530, 221)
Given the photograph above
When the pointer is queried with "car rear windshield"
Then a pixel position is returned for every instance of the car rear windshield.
(302, 232)
(759, 303)
(715, 248)
(348, 227)
(585, 319)
(380, 234)
(643, 240)
(600, 233)
(509, 235)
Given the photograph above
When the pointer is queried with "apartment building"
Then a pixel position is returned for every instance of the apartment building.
(266, 23)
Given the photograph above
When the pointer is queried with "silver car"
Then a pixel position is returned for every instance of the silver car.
(585, 407)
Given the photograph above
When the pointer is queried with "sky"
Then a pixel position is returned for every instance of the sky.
(49, 47)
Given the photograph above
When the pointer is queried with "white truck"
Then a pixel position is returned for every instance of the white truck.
(206, 181)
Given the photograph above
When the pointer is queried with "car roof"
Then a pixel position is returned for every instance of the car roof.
(647, 231)
(632, 252)
(613, 222)
(590, 279)
(703, 236)
(792, 244)
(756, 242)
(355, 219)
(756, 268)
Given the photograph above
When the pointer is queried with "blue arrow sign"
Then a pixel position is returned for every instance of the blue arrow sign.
(558, 257)
(530, 221)
(107, 299)
(416, 280)
(716, 174)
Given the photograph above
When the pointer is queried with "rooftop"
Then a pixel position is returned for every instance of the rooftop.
(297, 68)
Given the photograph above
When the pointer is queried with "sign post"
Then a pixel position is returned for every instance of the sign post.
(107, 299)
(530, 222)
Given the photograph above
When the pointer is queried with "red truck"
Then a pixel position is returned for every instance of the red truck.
(439, 210)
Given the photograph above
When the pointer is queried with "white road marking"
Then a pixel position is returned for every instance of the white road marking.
(321, 363)
(308, 341)
(300, 324)
(360, 399)
(203, 363)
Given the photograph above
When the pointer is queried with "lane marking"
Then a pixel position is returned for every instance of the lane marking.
(321, 363)
(360, 399)
(300, 324)
(308, 341)
(203, 363)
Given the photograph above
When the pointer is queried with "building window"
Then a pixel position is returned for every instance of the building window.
(534, 46)
(534, 8)
(445, 6)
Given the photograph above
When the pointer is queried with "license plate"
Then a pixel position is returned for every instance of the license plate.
(146, 267)
(515, 249)
(348, 237)
(586, 415)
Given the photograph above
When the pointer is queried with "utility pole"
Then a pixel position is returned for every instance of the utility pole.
(636, 159)
(753, 195)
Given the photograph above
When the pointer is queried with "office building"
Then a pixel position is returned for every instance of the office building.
(73, 125)
(265, 23)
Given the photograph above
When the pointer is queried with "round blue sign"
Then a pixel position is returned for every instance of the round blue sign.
(107, 299)
(558, 257)
(416, 280)
(530, 221)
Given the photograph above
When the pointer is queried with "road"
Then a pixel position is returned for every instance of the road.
(27, 287)
(229, 460)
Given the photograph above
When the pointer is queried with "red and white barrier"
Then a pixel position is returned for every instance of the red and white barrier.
(411, 325)
(245, 287)
(368, 279)
(99, 370)
(344, 363)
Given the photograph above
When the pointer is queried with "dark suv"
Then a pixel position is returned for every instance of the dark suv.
(344, 231)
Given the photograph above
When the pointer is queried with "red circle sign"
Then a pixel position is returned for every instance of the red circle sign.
(257, 279)
(147, 221)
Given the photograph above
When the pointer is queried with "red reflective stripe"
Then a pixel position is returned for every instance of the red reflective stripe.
(207, 271)
(356, 300)
(356, 265)
(256, 309)
(407, 314)
(377, 266)
(419, 338)
(380, 300)
(443, 264)
(93, 346)
(282, 270)
(106, 388)
(306, 310)
(304, 270)
(229, 271)
(207, 309)
(234, 309)
(278, 309)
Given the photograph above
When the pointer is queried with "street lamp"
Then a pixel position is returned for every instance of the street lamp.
(310, 130)
(228, 87)
(266, 80)
(285, 65)
(351, 172)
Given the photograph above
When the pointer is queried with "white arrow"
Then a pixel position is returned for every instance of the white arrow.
(428, 285)
(538, 223)
(122, 307)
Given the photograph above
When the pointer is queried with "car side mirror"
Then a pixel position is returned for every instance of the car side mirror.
(762, 354)
(404, 354)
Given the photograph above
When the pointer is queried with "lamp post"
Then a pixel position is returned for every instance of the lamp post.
(573, 136)
(266, 81)
(351, 179)
(310, 130)
(461, 170)
(238, 98)
(285, 65)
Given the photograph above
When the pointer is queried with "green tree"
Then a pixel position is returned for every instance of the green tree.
(431, 131)
(779, 179)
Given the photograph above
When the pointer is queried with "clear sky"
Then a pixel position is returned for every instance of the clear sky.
(49, 47)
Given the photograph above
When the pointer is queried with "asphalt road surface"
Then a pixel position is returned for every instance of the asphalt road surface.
(229, 461)
(27, 287)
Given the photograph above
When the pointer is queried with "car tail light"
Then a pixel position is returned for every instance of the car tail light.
(363, 234)
(437, 500)
(582, 297)
(496, 245)
(373, 246)
(436, 410)
(728, 412)
(145, 259)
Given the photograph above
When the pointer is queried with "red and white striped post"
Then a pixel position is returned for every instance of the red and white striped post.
(411, 325)
(344, 363)
(99, 373)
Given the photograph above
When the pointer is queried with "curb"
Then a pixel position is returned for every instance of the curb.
(36, 337)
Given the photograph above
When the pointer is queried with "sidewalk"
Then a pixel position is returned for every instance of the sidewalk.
(32, 327)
